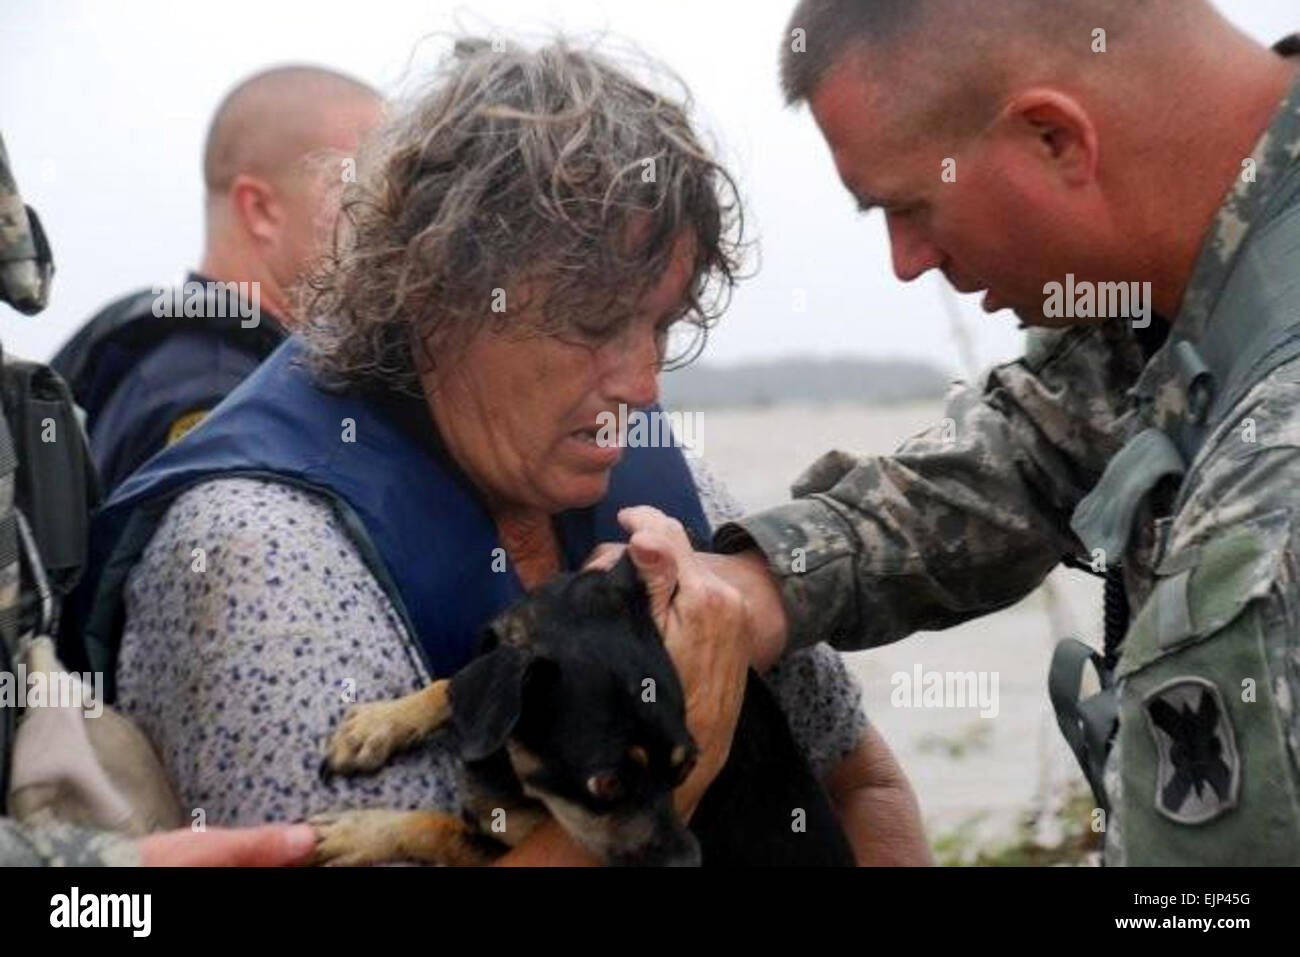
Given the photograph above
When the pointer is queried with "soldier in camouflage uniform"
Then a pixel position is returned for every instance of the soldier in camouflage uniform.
(62, 845)
(25, 273)
(24, 279)
(25, 283)
(59, 844)
(1140, 443)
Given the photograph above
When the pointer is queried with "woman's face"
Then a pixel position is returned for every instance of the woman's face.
(520, 415)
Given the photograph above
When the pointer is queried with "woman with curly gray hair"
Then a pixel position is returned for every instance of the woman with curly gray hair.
(508, 270)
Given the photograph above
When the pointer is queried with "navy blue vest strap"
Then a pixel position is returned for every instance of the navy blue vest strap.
(416, 520)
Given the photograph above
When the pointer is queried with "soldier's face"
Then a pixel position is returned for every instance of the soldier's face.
(991, 211)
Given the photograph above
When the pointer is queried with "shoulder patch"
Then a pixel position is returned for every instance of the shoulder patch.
(1198, 769)
(183, 425)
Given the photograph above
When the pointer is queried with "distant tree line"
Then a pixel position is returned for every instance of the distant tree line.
(867, 381)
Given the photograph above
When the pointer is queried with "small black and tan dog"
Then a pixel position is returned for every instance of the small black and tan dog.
(572, 708)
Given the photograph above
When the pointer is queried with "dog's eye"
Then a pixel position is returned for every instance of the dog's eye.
(607, 787)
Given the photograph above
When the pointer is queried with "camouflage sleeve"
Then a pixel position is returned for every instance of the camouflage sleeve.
(965, 518)
(57, 844)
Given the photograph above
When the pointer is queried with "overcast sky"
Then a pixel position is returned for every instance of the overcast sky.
(104, 105)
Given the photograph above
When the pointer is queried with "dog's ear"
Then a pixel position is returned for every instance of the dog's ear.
(487, 697)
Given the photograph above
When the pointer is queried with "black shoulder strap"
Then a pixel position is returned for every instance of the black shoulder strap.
(74, 358)
(130, 323)
(9, 597)
(54, 483)
(9, 572)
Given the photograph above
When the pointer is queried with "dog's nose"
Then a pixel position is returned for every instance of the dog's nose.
(672, 844)
(686, 853)
(669, 845)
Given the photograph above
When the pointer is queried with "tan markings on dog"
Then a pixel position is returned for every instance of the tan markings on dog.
(518, 822)
(605, 835)
(371, 733)
(353, 838)
(639, 755)
(678, 755)
(602, 834)
(487, 806)
(525, 763)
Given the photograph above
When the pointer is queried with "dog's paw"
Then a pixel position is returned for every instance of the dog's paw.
(356, 838)
(368, 736)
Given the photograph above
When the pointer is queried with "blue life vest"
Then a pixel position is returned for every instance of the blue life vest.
(417, 521)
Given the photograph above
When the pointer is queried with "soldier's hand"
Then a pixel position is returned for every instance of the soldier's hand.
(272, 845)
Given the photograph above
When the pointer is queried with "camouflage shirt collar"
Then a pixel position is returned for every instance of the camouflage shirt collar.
(1277, 151)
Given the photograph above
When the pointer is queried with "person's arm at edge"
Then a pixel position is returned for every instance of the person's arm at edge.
(877, 807)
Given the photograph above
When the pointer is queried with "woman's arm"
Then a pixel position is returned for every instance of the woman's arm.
(868, 789)
(875, 803)
(251, 626)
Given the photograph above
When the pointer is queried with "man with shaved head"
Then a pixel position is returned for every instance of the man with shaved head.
(150, 365)
(1125, 176)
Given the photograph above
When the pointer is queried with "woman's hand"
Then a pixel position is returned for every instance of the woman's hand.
(703, 623)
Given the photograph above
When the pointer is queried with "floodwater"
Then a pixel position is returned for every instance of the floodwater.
(968, 771)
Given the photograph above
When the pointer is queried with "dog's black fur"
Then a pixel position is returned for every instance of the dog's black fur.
(573, 705)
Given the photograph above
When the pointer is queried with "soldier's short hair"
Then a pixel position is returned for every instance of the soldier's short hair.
(955, 36)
